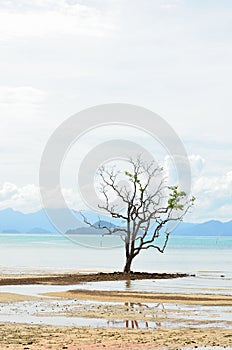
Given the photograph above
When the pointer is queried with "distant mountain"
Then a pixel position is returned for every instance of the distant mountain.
(12, 221)
(87, 231)
(15, 220)
(208, 228)
(38, 230)
(10, 231)
(104, 223)
(96, 230)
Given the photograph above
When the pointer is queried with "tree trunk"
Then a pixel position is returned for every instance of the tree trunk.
(127, 267)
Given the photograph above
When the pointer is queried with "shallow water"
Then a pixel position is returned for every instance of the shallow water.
(209, 258)
(133, 315)
(207, 284)
(187, 285)
(35, 289)
(26, 253)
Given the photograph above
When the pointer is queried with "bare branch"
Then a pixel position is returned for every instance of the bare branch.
(147, 201)
(103, 227)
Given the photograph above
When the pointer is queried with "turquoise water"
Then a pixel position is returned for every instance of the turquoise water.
(209, 258)
(38, 253)
(98, 242)
(108, 242)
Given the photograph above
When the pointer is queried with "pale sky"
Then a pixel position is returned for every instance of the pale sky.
(173, 57)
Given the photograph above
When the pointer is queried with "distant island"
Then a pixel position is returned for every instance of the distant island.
(12, 221)
(10, 230)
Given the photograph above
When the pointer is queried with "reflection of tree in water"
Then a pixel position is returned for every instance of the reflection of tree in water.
(128, 283)
(140, 308)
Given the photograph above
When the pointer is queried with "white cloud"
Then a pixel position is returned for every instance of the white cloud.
(39, 19)
(21, 113)
(58, 57)
(72, 199)
(7, 190)
(213, 193)
(170, 4)
(197, 164)
(21, 95)
(27, 198)
(213, 197)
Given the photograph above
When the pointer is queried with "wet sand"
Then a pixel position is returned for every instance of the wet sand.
(12, 297)
(75, 278)
(40, 337)
(200, 299)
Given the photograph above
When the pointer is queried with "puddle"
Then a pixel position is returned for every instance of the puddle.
(77, 321)
(100, 322)
(35, 289)
(201, 284)
(124, 315)
(188, 285)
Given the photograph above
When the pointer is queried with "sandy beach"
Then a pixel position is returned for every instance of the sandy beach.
(134, 320)
(205, 299)
(17, 337)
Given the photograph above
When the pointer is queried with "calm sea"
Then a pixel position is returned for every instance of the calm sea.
(33, 252)
(209, 258)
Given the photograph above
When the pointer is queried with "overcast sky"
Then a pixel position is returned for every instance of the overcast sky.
(174, 57)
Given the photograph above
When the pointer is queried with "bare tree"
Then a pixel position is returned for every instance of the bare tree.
(146, 205)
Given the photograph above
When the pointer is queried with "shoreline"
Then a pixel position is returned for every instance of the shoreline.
(133, 320)
(75, 278)
(119, 296)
